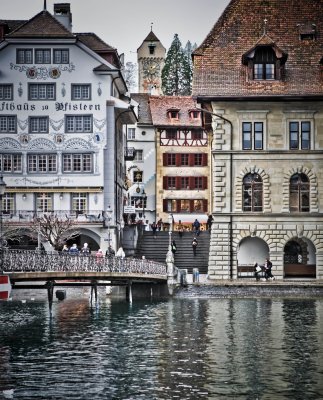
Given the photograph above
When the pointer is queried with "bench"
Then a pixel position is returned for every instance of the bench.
(302, 270)
(248, 271)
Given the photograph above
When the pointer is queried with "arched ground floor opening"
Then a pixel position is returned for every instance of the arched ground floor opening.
(299, 258)
(252, 250)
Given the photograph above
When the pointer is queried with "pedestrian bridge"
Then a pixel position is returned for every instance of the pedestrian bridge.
(25, 267)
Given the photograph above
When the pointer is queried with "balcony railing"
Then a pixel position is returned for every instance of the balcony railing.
(94, 216)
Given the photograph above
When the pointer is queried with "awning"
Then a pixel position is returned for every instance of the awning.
(190, 218)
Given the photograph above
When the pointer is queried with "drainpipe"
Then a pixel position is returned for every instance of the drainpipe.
(231, 186)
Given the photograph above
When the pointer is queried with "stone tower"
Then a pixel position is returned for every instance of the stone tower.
(151, 60)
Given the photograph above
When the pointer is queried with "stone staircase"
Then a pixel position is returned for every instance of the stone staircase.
(156, 249)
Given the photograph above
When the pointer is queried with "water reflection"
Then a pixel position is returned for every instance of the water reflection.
(179, 349)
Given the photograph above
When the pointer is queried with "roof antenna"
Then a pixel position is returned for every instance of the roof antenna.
(45, 5)
(151, 26)
(265, 26)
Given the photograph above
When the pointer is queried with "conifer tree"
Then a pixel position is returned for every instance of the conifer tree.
(177, 72)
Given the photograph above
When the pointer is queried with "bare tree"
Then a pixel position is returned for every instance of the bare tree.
(12, 233)
(130, 75)
(56, 230)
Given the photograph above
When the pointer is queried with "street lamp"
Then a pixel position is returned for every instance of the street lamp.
(144, 199)
(2, 190)
(109, 218)
(170, 220)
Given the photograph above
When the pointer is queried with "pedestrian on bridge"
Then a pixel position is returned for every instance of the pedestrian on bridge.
(120, 253)
(74, 251)
(85, 251)
(99, 259)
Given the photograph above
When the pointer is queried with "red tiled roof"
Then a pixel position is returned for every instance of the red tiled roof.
(92, 41)
(160, 104)
(218, 67)
(41, 25)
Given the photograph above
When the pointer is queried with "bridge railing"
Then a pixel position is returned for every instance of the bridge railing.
(35, 261)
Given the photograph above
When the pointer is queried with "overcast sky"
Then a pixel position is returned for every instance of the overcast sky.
(124, 24)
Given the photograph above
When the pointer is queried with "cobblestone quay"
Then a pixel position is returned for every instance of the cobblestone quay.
(247, 289)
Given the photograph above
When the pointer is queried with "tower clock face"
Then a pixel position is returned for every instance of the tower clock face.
(151, 69)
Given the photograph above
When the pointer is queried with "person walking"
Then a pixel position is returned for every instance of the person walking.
(160, 224)
(180, 228)
(209, 222)
(196, 227)
(194, 245)
(257, 270)
(154, 229)
(173, 247)
(268, 266)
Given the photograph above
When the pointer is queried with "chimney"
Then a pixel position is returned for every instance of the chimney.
(62, 12)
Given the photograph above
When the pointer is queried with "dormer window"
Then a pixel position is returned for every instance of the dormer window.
(173, 113)
(194, 114)
(307, 31)
(265, 62)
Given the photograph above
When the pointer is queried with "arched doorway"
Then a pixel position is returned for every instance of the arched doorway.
(299, 259)
(251, 250)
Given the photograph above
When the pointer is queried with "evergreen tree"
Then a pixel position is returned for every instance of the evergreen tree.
(189, 48)
(177, 72)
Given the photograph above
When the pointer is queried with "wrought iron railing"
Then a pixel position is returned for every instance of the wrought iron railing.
(35, 261)
(25, 216)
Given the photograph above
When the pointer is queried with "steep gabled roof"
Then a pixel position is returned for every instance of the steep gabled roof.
(95, 43)
(151, 37)
(144, 114)
(41, 25)
(159, 105)
(218, 68)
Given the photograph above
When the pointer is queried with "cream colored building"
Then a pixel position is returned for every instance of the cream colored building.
(262, 88)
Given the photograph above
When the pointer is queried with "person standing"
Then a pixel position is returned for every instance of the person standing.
(194, 245)
(74, 251)
(99, 259)
(120, 253)
(85, 251)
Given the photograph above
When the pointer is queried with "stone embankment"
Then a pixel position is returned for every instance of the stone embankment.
(250, 289)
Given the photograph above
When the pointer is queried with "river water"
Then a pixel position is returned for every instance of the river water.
(176, 349)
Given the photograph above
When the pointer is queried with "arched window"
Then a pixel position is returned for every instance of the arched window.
(252, 192)
(293, 253)
(299, 193)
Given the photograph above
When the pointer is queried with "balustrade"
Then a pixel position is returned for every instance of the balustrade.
(36, 261)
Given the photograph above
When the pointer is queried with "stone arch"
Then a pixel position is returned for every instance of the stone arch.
(313, 187)
(41, 144)
(290, 235)
(302, 244)
(9, 144)
(265, 185)
(77, 143)
(252, 232)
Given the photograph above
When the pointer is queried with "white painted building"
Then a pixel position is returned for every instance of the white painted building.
(63, 104)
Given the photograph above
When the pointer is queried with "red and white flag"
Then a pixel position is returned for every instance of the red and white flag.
(5, 287)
